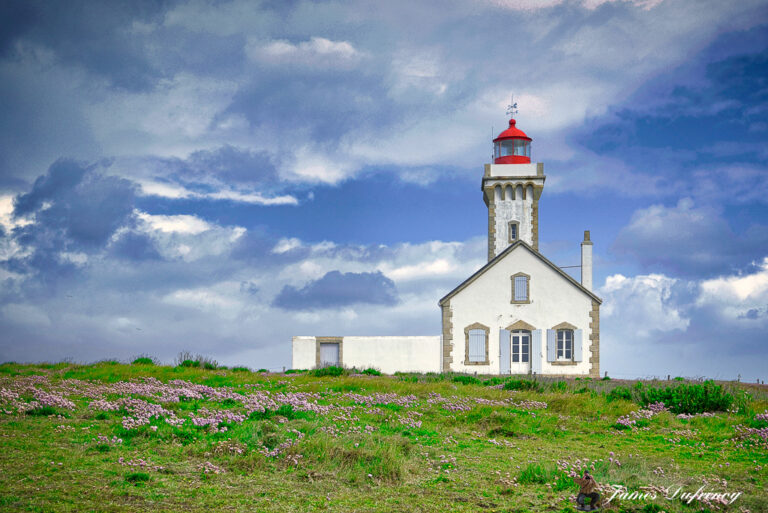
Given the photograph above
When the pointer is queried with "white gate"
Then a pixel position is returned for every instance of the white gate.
(329, 354)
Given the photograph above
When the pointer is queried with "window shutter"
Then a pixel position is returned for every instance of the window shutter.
(504, 349)
(504, 338)
(578, 336)
(476, 346)
(521, 288)
(551, 345)
(536, 351)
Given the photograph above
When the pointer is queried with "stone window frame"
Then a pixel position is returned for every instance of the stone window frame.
(329, 340)
(516, 224)
(565, 326)
(476, 326)
(527, 289)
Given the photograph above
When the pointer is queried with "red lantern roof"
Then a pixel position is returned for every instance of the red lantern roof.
(512, 133)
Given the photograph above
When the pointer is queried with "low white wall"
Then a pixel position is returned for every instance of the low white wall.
(304, 353)
(393, 354)
(387, 354)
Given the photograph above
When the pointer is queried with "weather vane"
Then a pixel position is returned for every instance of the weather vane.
(512, 107)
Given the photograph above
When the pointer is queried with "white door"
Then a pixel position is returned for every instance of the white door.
(521, 352)
(329, 354)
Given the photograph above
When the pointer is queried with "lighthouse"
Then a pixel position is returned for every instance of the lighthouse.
(512, 186)
(518, 314)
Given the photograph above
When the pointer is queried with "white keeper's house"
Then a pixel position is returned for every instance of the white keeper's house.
(518, 314)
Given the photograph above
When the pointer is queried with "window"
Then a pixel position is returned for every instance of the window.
(476, 339)
(508, 147)
(564, 344)
(514, 228)
(521, 288)
(521, 344)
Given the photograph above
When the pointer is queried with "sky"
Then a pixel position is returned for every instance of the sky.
(218, 176)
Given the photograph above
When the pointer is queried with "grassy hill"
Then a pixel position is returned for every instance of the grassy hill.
(113, 437)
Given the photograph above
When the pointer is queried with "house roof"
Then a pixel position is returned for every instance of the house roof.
(498, 258)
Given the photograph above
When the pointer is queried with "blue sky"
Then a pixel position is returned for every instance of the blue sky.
(219, 176)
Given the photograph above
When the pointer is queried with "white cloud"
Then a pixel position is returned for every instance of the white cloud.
(285, 245)
(254, 198)
(175, 224)
(316, 52)
(163, 190)
(309, 164)
(738, 297)
(77, 258)
(9, 248)
(220, 300)
(7, 221)
(639, 306)
(174, 191)
(439, 267)
(188, 237)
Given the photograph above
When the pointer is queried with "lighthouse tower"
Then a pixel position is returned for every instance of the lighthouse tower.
(511, 187)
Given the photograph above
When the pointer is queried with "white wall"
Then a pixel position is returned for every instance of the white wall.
(304, 353)
(513, 169)
(507, 210)
(487, 301)
(387, 354)
(393, 354)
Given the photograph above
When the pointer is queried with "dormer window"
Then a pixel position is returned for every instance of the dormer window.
(514, 231)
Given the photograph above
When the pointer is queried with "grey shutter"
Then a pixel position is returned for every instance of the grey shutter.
(504, 356)
(521, 288)
(536, 351)
(578, 336)
(477, 345)
(551, 345)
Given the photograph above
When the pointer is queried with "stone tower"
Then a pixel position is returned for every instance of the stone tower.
(512, 186)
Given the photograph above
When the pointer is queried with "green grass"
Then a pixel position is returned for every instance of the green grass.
(347, 442)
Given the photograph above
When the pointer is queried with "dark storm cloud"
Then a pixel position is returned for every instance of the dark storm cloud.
(337, 290)
(698, 129)
(73, 208)
(15, 19)
(134, 246)
(94, 35)
(688, 241)
(78, 203)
